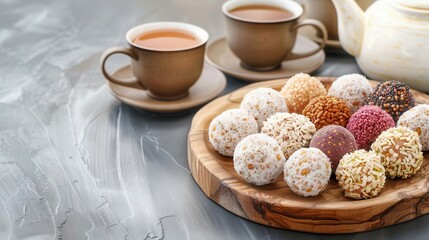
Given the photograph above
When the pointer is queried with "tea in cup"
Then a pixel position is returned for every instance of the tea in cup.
(262, 33)
(167, 58)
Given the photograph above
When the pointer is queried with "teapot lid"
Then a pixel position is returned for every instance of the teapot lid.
(419, 4)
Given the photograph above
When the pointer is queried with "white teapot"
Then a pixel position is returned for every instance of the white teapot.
(390, 40)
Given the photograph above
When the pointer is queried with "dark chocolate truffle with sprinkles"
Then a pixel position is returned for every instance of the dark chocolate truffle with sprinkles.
(393, 97)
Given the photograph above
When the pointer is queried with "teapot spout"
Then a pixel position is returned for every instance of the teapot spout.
(351, 25)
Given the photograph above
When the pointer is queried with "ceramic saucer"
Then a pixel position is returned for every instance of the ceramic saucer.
(219, 55)
(209, 85)
(312, 34)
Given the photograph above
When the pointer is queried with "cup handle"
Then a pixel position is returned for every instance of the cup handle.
(133, 83)
(320, 28)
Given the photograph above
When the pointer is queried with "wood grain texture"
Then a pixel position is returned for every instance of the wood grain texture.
(276, 205)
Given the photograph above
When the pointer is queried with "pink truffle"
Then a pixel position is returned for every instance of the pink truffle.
(334, 141)
(367, 123)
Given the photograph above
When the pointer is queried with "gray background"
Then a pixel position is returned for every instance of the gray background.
(75, 163)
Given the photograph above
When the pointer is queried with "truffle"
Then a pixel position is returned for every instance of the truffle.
(353, 89)
(334, 141)
(307, 172)
(367, 123)
(258, 159)
(361, 175)
(292, 131)
(262, 103)
(400, 150)
(299, 90)
(327, 110)
(393, 97)
(417, 119)
(227, 129)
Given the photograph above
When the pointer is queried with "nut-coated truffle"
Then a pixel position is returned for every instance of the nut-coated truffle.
(299, 90)
(353, 89)
(361, 175)
(393, 97)
(307, 172)
(262, 103)
(292, 131)
(258, 159)
(367, 123)
(327, 110)
(400, 151)
(334, 141)
(417, 119)
(227, 129)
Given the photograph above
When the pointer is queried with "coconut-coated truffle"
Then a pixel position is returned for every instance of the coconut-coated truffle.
(292, 131)
(400, 151)
(361, 175)
(227, 129)
(417, 119)
(353, 89)
(393, 97)
(258, 159)
(307, 172)
(327, 110)
(367, 123)
(334, 141)
(262, 103)
(299, 90)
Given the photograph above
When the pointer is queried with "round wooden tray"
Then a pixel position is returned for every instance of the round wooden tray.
(276, 205)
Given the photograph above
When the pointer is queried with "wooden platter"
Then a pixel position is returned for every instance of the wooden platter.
(277, 206)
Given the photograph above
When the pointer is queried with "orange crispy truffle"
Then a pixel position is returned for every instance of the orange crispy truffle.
(327, 110)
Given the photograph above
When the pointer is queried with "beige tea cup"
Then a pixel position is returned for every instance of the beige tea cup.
(262, 45)
(165, 74)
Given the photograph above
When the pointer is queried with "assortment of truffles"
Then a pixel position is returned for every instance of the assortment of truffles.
(310, 135)
(292, 131)
(400, 151)
(353, 89)
(367, 123)
(262, 103)
(417, 119)
(361, 175)
(327, 110)
(334, 141)
(258, 159)
(300, 89)
(307, 172)
(393, 97)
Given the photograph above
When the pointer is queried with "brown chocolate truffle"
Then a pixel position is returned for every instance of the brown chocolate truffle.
(327, 110)
(393, 97)
(334, 141)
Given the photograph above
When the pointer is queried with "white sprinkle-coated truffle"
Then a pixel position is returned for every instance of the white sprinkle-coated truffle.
(262, 103)
(258, 159)
(400, 150)
(292, 131)
(227, 130)
(361, 175)
(417, 119)
(352, 88)
(307, 172)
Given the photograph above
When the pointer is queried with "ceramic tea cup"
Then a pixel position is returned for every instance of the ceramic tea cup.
(324, 11)
(263, 44)
(167, 58)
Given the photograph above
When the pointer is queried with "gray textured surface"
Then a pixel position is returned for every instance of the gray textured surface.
(77, 164)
